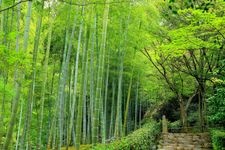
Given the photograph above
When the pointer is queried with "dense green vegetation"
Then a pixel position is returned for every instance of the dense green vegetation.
(92, 73)
(218, 138)
(143, 138)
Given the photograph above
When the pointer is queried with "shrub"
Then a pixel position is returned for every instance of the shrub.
(218, 139)
(174, 126)
(143, 138)
(216, 107)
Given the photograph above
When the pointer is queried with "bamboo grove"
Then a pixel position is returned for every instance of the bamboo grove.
(76, 73)
(69, 73)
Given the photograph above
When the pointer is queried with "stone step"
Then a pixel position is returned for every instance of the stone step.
(178, 148)
(185, 141)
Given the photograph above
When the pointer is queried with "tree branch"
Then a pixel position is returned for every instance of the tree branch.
(14, 5)
(150, 58)
(217, 30)
(190, 99)
(193, 59)
(70, 3)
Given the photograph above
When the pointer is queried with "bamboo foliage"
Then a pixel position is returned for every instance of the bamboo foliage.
(68, 76)
(69, 81)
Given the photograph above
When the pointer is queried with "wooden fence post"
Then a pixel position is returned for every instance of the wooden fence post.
(164, 125)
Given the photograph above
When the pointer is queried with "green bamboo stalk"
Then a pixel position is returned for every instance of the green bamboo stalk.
(18, 85)
(63, 78)
(98, 98)
(139, 114)
(33, 84)
(16, 71)
(3, 99)
(136, 106)
(103, 47)
(75, 80)
(45, 72)
(92, 78)
(2, 18)
(127, 104)
(82, 95)
(104, 111)
(118, 121)
(112, 120)
(19, 127)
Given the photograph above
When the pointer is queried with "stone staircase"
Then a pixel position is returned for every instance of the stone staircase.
(185, 141)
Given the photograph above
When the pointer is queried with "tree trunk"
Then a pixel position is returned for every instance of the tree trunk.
(183, 113)
(201, 102)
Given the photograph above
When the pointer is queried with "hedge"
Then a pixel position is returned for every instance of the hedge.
(218, 139)
(143, 138)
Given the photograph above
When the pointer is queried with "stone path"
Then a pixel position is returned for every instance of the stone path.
(185, 141)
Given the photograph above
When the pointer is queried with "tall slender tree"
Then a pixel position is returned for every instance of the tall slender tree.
(43, 90)
(20, 77)
(99, 98)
